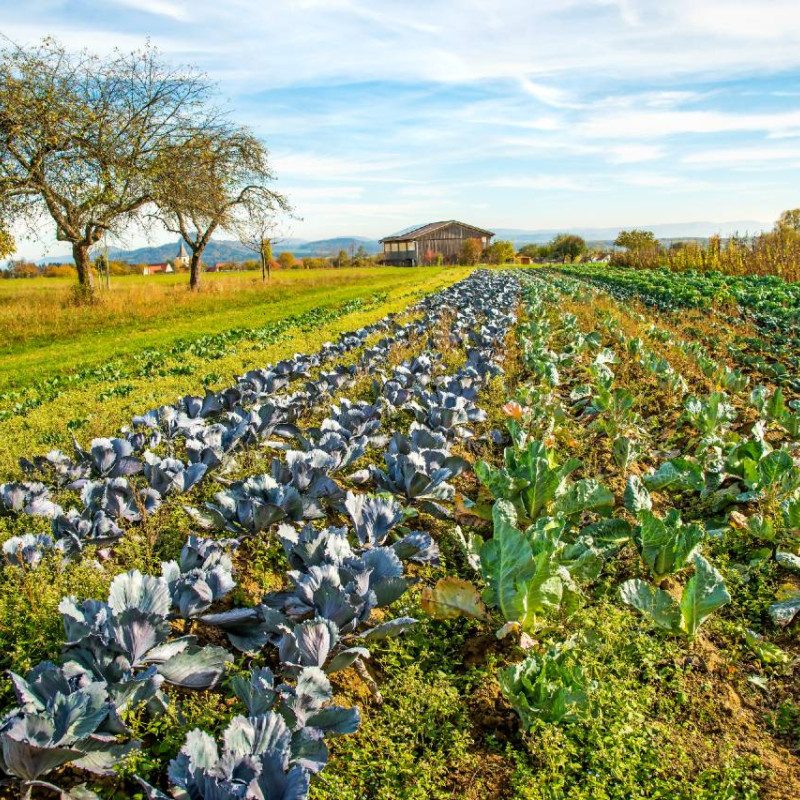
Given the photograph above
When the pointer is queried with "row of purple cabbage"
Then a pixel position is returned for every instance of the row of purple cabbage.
(118, 653)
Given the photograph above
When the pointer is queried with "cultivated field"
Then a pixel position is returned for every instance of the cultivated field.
(88, 370)
(514, 534)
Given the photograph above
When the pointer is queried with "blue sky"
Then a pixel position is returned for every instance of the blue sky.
(510, 113)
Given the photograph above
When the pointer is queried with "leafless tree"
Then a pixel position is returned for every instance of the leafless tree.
(83, 138)
(255, 229)
(219, 180)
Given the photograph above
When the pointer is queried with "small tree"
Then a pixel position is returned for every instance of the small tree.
(80, 137)
(471, 251)
(212, 181)
(342, 260)
(24, 269)
(636, 240)
(789, 220)
(103, 268)
(287, 260)
(361, 257)
(641, 249)
(59, 271)
(265, 257)
(255, 228)
(534, 250)
(500, 252)
(567, 246)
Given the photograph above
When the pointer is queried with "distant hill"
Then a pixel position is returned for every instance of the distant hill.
(331, 247)
(224, 250)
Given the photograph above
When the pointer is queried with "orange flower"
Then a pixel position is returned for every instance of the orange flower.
(513, 409)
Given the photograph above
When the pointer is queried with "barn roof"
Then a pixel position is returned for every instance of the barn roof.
(419, 231)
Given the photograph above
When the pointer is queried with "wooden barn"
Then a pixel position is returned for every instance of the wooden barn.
(422, 245)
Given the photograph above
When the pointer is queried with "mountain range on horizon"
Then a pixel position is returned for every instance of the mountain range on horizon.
(228, 250)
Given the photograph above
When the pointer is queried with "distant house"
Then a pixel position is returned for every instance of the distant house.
(421, 245)
(154, 269)
(181, 261)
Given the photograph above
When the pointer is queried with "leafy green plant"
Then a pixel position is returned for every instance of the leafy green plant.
(614, 413)
(550, 688)
(773, 407)
(536, 484)
(704, 593)
(710, 416)
(666, 544)
(787, 608)
(624, 451)
(679, 474)
(766, 652)
(524, 578)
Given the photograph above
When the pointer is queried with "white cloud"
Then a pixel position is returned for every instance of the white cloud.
(549, 95)
(633, 153)
(750, 156)
(541, 183)
(452, 41)
(309, 194)
(313, 166)
(173, 9)
(744, 19)
(663, 181)
(659, 124)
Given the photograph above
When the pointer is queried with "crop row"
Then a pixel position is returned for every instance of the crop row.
(773, 306)
(554, 535)
(173, 447)
(119, 653)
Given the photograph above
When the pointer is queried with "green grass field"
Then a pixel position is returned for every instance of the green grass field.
(86, 371)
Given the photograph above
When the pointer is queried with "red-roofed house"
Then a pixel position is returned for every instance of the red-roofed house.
(154, 269)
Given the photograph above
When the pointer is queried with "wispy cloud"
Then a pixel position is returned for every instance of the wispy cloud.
(382, 113)
(646, 124)
(753, 156)
(558, 183)
(172, 9)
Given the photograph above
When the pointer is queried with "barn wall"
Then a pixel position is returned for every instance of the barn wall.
(447, 241)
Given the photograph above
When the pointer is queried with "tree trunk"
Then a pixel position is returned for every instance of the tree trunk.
(83, 263)
(265, 251)
(194, 270)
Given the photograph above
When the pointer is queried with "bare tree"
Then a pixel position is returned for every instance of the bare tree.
(255, 228)
(82, 137)
(217, 180)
